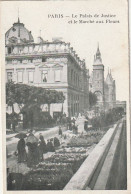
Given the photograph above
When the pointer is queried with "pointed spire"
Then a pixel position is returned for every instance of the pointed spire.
(98, 54)
(18, 20)
(111, 75)
(98, 48)
(97, 59)
(94, 58)
(108, 70)
(18, 16)
(18, 23)
(40, 33)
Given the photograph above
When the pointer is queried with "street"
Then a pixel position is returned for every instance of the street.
(11, 141)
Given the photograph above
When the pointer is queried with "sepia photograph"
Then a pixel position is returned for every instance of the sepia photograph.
(65, 102)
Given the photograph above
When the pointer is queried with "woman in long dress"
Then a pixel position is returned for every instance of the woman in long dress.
(21, 151)
(42, 147)
(33, 154)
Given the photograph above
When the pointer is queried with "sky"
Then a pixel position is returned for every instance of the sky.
(84, 38)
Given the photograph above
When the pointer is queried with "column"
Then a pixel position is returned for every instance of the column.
(15, 75)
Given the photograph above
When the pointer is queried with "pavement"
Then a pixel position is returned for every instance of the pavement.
(11, 141)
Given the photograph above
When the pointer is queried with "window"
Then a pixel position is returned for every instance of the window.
(57, 75)
(74, 78)
(9, 76)
(98, 84)
(71, 74)
(20, 76)
(20, 61)
(9, 50)
(43, 59)
(44, 76)
(31, 77)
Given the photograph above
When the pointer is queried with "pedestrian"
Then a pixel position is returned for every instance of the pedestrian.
(73, 120)
(60, 131)
(68, 123)
(56, 142)
(50, 147)
(33, 151)
(33, 154)
(69, 126)
(73, 128)
(86, 125)
(76, 129)
(42, 147)
(21, 151)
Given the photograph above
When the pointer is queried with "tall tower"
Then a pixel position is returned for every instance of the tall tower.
(111, 91)
(98, 79)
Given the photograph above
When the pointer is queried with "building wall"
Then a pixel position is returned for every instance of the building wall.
(110, 95)
(98, 84)
(30, 64)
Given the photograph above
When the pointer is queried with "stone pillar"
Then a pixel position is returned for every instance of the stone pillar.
(25, 76)
(65, 104)
(37, 75)
(15, 76)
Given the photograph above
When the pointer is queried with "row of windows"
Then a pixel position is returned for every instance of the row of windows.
(27, 61)
(74, 78)
(77, 80)
(44, 76)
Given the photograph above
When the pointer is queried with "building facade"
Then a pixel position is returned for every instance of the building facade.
(51, 65)
(104, 89)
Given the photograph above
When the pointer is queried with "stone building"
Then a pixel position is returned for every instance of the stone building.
(51, 65)
(104, 89)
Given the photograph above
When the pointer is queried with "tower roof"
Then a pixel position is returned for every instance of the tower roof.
(109, 79)
(18, 34)
(97, 57)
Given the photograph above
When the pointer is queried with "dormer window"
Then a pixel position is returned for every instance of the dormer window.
(13, 29)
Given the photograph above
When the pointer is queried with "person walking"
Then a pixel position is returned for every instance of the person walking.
(50, 147)
(33, 154)
(60, 131)
(86, 125)
(33, 151)
(21, 151)
(42, 147)
(73, 128)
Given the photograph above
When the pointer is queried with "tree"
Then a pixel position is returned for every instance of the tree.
(30, 99)
(92, 99)
(11, 99)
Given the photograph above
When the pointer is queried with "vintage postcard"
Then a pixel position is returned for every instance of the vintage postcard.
(65, 96)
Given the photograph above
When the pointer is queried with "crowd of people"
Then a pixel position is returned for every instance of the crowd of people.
(32, 149)
(72, 124)
(36, 148)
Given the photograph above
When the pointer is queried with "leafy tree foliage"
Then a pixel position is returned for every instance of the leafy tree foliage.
(30, 99)
(107, 118)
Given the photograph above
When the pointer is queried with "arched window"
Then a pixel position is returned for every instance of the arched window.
(99, 95)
